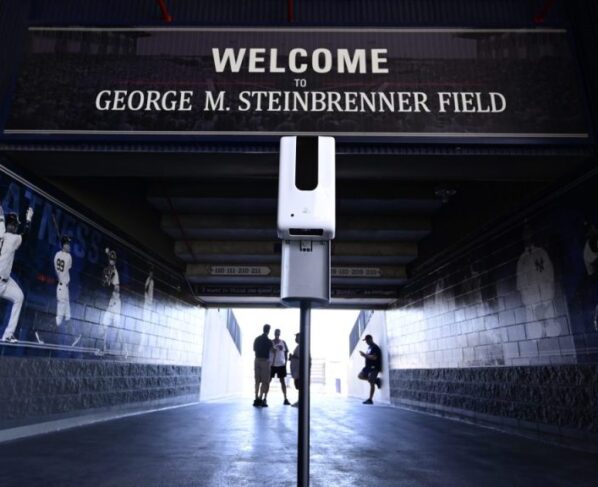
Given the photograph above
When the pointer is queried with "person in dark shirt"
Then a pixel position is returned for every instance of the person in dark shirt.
(373, 366)
(295, 364)
(262, 346)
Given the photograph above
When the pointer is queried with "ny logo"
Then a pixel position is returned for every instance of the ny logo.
(539, 265)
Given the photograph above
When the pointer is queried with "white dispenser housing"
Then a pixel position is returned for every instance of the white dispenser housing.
(306, 188)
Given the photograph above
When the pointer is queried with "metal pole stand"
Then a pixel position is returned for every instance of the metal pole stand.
(304, 368)
(305, 281)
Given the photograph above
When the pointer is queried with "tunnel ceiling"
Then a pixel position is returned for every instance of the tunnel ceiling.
(214, 214)
(209, 208)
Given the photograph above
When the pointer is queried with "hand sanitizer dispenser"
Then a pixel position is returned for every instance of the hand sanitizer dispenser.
(306, 218)
(306, 190)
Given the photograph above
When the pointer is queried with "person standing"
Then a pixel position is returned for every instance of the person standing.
(278, 363)
(295, 370)
(262, 346)
(10, 241)
(373, 366)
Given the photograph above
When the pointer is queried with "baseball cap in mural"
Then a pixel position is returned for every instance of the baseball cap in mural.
(365, 339)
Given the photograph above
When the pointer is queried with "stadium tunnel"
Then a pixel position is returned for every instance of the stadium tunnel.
(466, 236)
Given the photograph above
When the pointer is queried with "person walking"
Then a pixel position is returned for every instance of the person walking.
(262, 346)
(278, 362)
(373, 366)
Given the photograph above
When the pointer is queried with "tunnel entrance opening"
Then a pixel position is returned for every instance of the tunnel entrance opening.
(228, 373)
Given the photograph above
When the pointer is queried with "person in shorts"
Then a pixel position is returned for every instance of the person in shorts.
(373, 366)
(278, 362)
(262, 346)
(294, 359)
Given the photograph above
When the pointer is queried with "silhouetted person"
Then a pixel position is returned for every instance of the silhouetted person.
(262, 346)
(278, 362)
(295, 369)
(373, 366)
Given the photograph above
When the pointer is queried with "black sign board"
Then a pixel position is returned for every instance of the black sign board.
(267, 82)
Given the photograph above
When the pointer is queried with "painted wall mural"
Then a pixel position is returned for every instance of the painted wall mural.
(506, 333)
(528, 296)
(503, 303)
(67, 289)
(578, 223)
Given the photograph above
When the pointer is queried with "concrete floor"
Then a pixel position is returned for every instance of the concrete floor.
(233, 444)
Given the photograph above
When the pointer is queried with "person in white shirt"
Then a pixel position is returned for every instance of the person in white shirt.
(62, 266)
(63, 261)
(278, 362)
(110, 279)
(535, 282)
(10, 241)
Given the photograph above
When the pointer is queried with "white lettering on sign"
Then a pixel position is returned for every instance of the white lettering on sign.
(331, 101)
(304, 101)
(149, 100)
(321, 60)
(214, 104)
(235, 270)
(356, 272)
(470, 102)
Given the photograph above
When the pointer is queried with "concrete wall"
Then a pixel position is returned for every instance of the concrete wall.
(376, 327)
(505, 332)
(222, 371)
(137, 351)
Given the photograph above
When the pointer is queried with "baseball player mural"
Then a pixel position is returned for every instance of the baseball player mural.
(148, 296)
(110, 279)
(62, 266)
(63, 261)
(590, 260)
(10, 241)
(536, 284)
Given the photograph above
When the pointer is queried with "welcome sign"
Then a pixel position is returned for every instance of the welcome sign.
(260, 82)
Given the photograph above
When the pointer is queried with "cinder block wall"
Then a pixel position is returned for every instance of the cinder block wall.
(142, 354)
(43, 389)
(505, 332)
